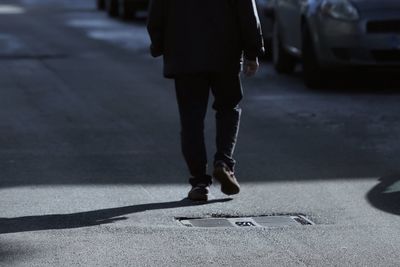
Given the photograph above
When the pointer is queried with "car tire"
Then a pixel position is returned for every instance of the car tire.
(282, 60)
(113, 8)
(268, 50)
(101, 4)
(127, 10)
(313, 74)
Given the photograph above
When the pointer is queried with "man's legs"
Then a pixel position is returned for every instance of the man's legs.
(227, 92)
(192, 93)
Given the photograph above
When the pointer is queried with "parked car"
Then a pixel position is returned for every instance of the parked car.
(101, 4)
(123, 8)
(328, 34)
(265, 9)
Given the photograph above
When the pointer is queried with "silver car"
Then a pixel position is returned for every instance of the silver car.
(335, 33)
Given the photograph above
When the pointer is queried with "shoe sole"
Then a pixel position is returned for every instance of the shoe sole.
(229, 186)
(193, 196)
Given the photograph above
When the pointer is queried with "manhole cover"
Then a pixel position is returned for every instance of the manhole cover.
(256, 221)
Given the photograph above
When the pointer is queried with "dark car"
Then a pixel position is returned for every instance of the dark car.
(126, 9)
(265, 11)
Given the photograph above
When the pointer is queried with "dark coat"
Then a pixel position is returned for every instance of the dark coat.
(197, 36)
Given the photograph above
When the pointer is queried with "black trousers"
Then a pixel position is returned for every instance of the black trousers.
(192, 93)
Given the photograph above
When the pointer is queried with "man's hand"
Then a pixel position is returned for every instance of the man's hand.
(250, 67)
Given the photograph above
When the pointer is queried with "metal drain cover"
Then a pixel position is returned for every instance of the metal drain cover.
(257, 221)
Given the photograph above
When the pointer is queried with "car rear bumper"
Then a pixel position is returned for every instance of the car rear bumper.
(372, 41)
(139, 3)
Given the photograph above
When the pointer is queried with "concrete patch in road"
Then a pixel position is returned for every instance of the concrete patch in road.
(10, 44)
(13, 47)
(33, 56)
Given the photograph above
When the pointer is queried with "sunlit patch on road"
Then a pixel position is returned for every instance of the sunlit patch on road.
(98, 26)
(100, 23)
(127, 39)
(11, 9)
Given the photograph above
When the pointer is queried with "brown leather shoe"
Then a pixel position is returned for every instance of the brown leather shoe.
(199, 192)
(224, 175)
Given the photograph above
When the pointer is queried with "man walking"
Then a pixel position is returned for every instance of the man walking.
(203, 43)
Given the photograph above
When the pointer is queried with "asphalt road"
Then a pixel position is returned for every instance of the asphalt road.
(91, 172)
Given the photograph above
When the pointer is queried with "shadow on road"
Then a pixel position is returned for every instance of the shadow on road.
(386, 195)
(89, 218)
(371, 81)
(355, 81)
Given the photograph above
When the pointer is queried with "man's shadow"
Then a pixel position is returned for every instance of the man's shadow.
(386, 195)
(89, 218)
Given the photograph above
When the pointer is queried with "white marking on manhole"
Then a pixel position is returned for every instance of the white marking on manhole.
(257, 221)
(244, 222)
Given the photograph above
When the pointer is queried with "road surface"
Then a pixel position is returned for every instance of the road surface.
(92, 174)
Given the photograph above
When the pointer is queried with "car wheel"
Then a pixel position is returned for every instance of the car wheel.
(283, 61)
(314, 76)
(101, 4)
(128, 10)
(113, 8)
(268, 49)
